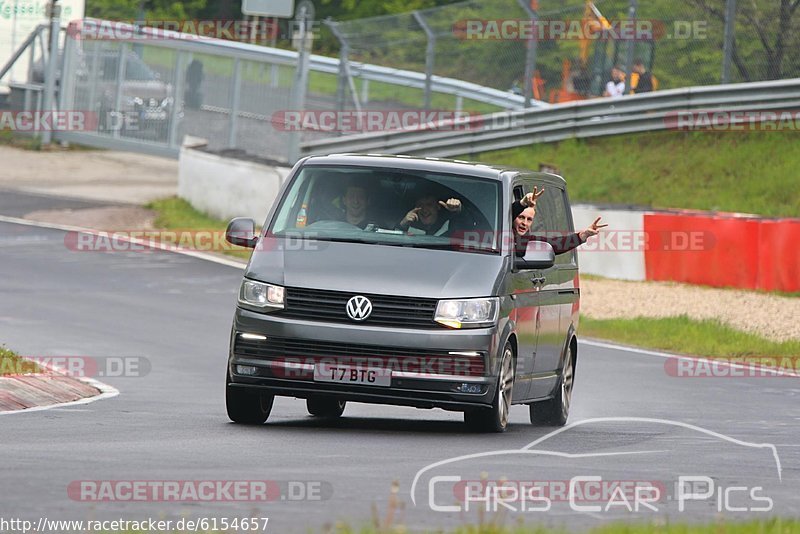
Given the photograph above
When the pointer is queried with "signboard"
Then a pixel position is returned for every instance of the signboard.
(18, 18)
(269, 8)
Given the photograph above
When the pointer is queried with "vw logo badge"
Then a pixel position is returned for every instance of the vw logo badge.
(359, 308)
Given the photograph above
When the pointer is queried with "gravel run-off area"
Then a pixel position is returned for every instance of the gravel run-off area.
(772, 316)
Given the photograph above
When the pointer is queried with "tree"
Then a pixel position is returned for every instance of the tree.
(765, 31)
(128, 10)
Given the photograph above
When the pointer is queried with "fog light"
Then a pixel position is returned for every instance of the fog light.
(258, 337)
(247, 370)
(471, 388)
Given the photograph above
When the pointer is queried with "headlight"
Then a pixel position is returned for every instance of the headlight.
(259, 295)
(133, 101)
(166, 102)
(467, 313)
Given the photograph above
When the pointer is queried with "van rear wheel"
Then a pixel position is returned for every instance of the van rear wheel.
(325, 406)
(247, 407)
(495, 419)
(555, 411)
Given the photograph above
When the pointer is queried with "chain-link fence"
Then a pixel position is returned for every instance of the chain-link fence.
(429, 41)
(679, 44)
(152, 92)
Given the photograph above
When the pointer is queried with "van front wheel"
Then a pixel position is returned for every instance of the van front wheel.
(495, 419)
(247, 407)
(325, 406)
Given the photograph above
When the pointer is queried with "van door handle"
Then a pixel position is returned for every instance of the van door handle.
(538, 280)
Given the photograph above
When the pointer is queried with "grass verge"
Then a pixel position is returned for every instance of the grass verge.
(176, 214)
(26, 142)
(12, 364)
(34, 142)
(739, 172)
(707, 338)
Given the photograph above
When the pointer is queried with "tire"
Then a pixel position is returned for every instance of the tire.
(325, 407)
(555, 411)
(495, 419)
(247, 407)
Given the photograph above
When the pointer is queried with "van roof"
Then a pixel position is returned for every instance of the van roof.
(483, 170)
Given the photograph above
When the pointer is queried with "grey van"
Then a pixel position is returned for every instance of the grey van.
(333, 309)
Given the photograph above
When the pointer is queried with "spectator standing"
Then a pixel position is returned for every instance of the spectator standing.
(642, 81)
(615, 87)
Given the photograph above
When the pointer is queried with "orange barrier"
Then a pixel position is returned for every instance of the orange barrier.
(723, 251)
(779, 255)
(696, 249)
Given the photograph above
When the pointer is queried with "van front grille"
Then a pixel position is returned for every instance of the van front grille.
(387, 310)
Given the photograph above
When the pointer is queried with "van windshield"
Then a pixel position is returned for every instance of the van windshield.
(391, 207)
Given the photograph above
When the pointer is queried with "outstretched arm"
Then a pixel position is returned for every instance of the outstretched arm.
(565, 243)
(591, 230)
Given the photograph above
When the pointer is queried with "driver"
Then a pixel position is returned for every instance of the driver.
(430, 216)
(357, 202)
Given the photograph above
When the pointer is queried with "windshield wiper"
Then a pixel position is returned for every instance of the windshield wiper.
(341, 239)
(458, 247)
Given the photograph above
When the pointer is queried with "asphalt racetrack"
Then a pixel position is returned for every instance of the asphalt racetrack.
(734, 440)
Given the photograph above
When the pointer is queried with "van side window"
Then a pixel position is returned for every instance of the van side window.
(551, 219)
(558, 221)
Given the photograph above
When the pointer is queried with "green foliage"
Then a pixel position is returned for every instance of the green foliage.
(358, 9)
(27, 142)
(11, 363)
(153, 9)
(400, 42)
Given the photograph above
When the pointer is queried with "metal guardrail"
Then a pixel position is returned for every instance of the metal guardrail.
(587, 118)
(408, 78)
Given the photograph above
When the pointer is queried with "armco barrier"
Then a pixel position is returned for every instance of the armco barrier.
(647, 112)
(779, 255)
(723, 251)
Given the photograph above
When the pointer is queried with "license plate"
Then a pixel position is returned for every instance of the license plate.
(347, 374)
(154, 115)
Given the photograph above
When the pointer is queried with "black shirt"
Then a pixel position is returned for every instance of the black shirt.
(645, 84)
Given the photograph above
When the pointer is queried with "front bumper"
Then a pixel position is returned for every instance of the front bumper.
(422, 386)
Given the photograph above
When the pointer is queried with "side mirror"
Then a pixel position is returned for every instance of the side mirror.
(538, 255)
(242, 231)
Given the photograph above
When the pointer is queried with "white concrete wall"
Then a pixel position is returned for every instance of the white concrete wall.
(227, 187)
(618, 252)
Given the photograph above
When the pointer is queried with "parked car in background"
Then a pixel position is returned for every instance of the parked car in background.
(145, 101)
